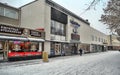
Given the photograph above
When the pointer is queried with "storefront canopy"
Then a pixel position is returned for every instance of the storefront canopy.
(36, 39)
(58, 41)
(12, 38)
(20, 38)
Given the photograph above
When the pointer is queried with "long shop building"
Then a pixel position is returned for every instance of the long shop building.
(44, 25)
(65, 32)
(16, 42)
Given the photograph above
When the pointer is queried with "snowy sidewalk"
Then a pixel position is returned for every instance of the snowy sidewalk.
(40, 61)
(104, 63)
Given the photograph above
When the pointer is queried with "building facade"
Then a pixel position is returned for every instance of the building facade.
(113, 42)
(15, 41)
(65, 31)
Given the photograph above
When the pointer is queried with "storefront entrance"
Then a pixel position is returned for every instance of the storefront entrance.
(74, 48)
(57, 49)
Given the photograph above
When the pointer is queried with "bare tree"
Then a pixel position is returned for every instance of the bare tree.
(111, 16)
(93, 4)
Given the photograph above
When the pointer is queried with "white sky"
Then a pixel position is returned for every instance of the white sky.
(77, 7)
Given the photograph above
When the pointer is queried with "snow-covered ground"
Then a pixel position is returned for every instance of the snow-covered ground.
(104, 63)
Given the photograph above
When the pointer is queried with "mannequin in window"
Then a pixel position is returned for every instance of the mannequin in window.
(33, 48)
(16, 47)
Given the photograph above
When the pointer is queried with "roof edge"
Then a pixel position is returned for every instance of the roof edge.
(28, 4)
(9, 6)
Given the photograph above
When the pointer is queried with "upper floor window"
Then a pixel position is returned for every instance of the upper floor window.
(11, 13)
(52, 27)
(99, 39)
(95, 38)
(2, 11)
(8, 13)
(57, 28)
(104, 40)
(92, 37)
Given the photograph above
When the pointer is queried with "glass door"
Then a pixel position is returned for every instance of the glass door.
(57, 49)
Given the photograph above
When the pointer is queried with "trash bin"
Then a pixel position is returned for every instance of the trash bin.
(45, 57)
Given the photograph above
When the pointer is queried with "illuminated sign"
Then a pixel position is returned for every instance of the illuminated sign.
(35, 33)
(20, 31)
(75, 26)
(10, 29)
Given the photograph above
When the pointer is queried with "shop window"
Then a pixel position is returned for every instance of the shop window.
(21, 46)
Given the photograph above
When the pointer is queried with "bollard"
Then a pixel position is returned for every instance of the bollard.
(45, 57)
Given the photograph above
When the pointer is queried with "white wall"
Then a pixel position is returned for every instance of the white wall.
(98, 34)
(85, 32)
(32, 15)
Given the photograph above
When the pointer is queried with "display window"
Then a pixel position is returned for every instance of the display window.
(23, 49)
(21, 46)
(1, 45)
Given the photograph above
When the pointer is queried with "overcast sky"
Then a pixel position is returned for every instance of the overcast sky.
(77, 7)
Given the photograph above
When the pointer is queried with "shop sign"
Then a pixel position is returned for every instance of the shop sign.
(75, 37)
(20, 31)
(35, 33)
(10, 29)
(75, 26)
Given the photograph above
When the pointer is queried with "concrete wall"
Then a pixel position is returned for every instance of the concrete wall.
(33, 15)
(85, 32)
(9, 21)
(98, 34)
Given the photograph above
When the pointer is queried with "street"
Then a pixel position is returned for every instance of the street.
(103, 63)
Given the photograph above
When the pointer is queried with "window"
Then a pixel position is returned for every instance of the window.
(52, 27)
(99, 39)
(8, 13)
(21, 46)
(104, 40)
(2, 11)
(11, 13)
(63, 29)
(57, 28)
(92, 37)
(95, 38)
